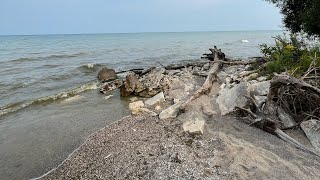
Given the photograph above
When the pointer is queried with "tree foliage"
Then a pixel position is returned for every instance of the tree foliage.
(300, 15)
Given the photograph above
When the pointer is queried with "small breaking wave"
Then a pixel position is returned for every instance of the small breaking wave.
(63, 95)
(54, 56)
(89, 68)
(245, 41)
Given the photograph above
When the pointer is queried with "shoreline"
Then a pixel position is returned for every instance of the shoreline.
(188, 142)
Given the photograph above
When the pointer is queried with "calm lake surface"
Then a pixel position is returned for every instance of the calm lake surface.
(49, 102)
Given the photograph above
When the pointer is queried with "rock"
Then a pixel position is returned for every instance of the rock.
(129, 85)
(135, 107)
(230, 98)
(194, 126)
(311, 129)
(106, 74)
(286, 119)
(262, 78)
(260, 100)
(152, 83)
(171, 112)
(157, 108)
(110, 86)
(206, 66)
(260, 88)
(147, 112)
(133, 99)
(208, 111)
(251, 77)
(155, 99)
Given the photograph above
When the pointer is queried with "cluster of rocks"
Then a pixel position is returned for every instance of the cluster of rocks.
(161, 92)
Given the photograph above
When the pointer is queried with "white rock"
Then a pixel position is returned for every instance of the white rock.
(157, 108)
(311, 129)
(135, 107)
(230, 98)
(260, 88)
(195, 126)
(171, 112)
(262, 78)
(155, 99)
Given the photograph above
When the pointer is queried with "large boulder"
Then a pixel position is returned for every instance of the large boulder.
(230, 98)
(106, 74)
(129, 85)
(152, 83)
(311, 129)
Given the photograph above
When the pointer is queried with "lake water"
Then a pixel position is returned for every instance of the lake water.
(49, 102)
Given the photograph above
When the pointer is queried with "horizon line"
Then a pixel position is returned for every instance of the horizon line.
(136, 32)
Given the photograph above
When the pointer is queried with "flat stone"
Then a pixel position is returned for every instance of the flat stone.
(230, 98)
(171, 112)
(155, 99)
(194, 126)
(311, 129)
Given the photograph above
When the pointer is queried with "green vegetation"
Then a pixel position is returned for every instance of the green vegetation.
(300, 15)
(289, 54)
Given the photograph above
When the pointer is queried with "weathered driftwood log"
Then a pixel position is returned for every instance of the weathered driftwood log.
(206, 87)
(180, 66)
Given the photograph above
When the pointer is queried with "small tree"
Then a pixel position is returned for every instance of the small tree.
(300, 15)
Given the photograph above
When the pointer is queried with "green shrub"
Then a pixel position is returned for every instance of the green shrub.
(289, 54)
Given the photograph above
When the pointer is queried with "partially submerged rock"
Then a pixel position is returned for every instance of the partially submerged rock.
(129, 85)
(146, 86)
(106, 74)
(311, 129)
(155, 99)
(110, 86)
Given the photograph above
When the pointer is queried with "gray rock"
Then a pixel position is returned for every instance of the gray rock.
(286, 119)
(230, 98)
(171, 112)
(195, 125)
(311, 129)
(110, 86)
(260, 88)
(106, 74)
(155, 99)
(262, 78)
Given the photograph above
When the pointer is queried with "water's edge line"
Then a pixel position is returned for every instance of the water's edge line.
(74, 151)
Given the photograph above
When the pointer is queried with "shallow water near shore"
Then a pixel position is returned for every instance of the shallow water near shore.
(49, 102)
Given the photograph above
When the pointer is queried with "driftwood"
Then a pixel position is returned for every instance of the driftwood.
(136, 70)
(206, 87)
(180, 66)
(295, 97)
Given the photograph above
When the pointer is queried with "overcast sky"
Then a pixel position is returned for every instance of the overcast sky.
(112, 16)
